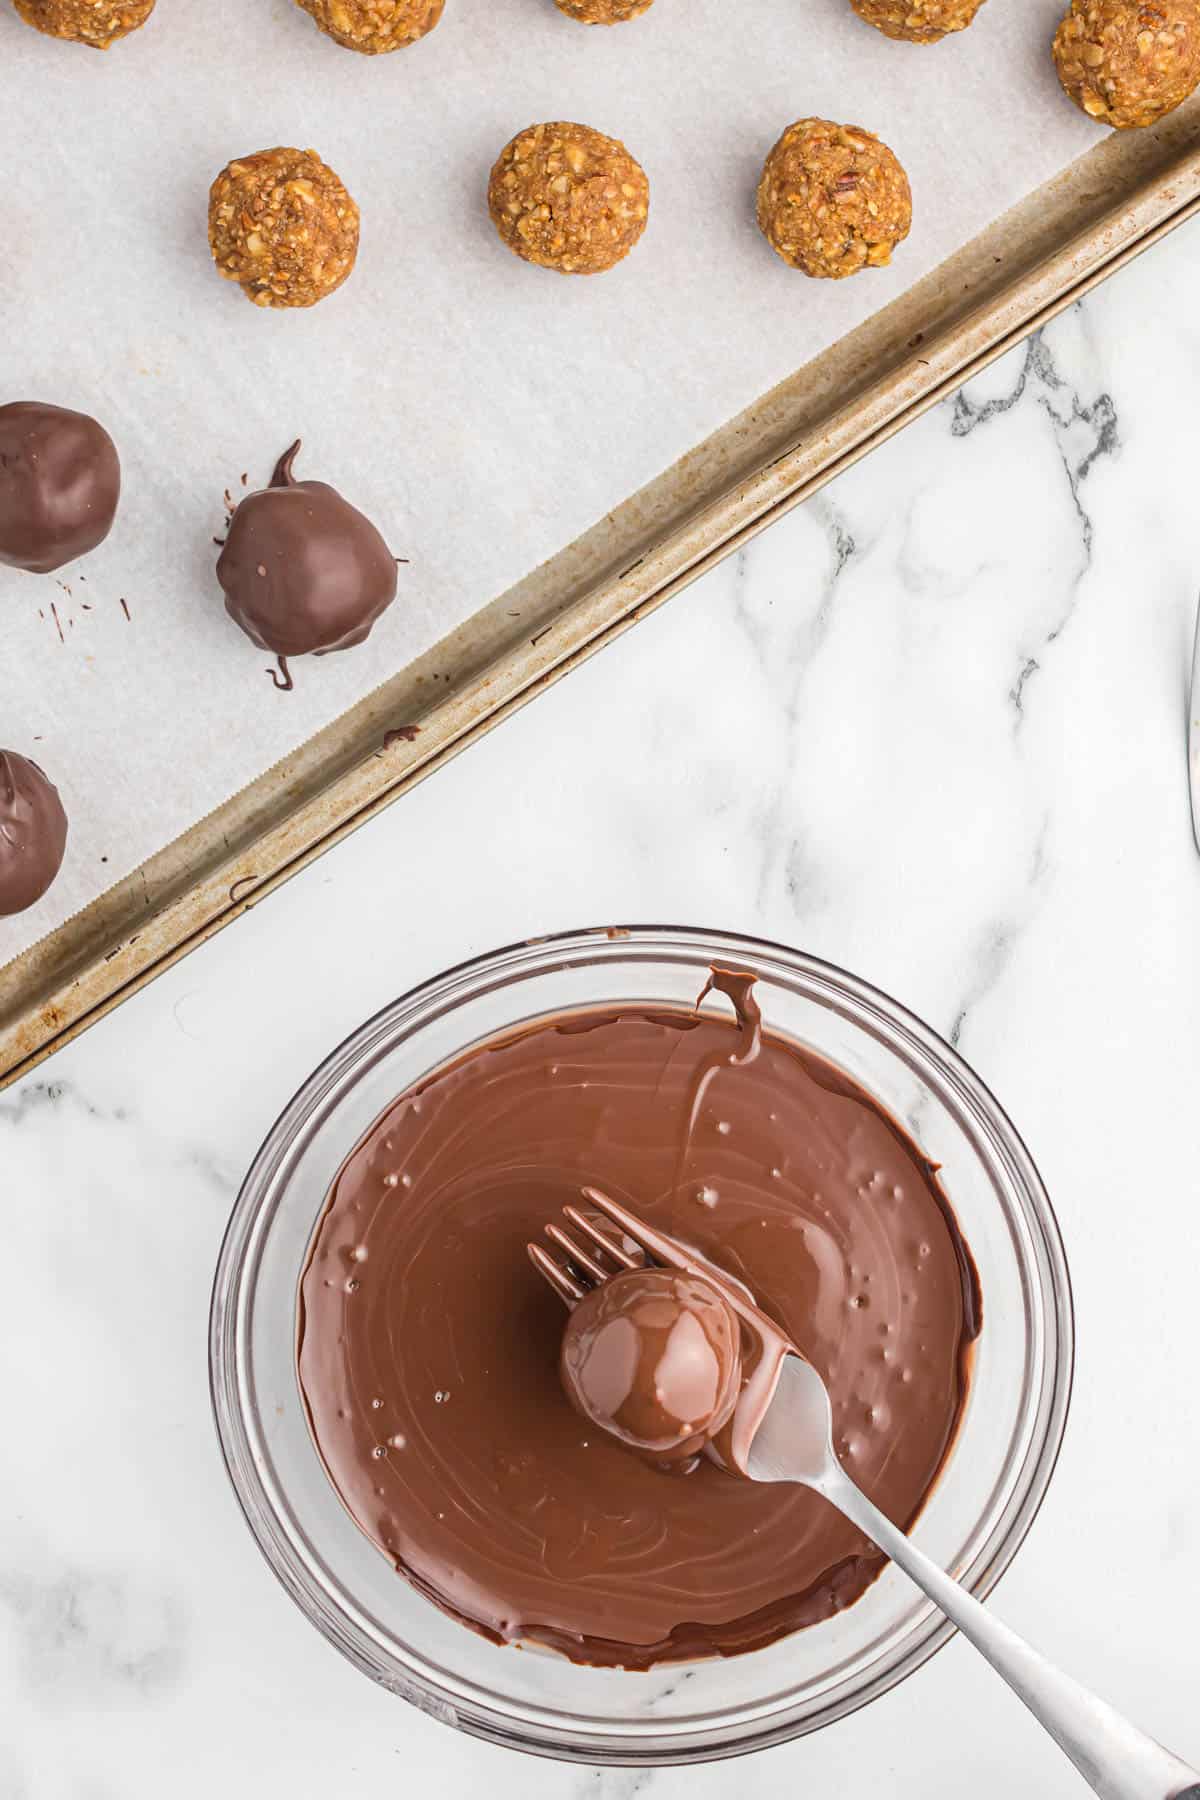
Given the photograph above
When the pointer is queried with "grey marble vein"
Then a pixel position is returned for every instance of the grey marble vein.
(996, 940)
(1085, 432)
(88, 1637)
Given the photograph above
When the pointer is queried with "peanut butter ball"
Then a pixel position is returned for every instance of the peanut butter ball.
(603, 12)
(97, 23)
(917, 21)
(374, 26)
(1126, 64)
(568, 198)
(283, 227)
(833, 199)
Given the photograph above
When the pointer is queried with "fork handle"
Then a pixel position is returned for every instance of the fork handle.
(1117, 1760)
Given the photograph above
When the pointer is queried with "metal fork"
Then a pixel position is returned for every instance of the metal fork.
(791, 1439)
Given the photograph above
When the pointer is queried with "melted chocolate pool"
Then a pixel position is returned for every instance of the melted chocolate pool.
(429, 1347)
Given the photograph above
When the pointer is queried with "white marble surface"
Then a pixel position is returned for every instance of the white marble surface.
(930, 727)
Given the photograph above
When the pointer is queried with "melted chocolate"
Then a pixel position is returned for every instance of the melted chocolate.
(60, 481)
(303, 571)
(33, 832)
(429, 1347)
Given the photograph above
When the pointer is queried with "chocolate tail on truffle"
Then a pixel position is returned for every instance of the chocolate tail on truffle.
(282, 476)
(281, 678)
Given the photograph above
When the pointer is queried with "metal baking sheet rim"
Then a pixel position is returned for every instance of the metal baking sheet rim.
(1038, 259)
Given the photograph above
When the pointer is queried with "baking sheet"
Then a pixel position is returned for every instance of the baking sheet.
(483, 412)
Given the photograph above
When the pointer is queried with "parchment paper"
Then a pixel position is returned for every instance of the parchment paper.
(483, 412)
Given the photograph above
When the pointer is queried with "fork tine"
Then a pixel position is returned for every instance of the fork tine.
(600, 1239)
(673, 1255)
(652, 1243)
(564, 1285)
(579, 1257)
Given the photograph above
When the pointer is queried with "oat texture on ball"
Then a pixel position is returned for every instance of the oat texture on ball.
(603, 12)
(833, 199)
(568, 198)
(281, 224)
(375, 26)
(1126, 64)
(917, 21)
(97, 23)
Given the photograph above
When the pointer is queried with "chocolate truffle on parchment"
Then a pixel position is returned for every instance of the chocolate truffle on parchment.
(568, 198)
(60, 481)
(833, 199)
(374, 26)
(97, 23)
(917, 21)
(1126, 64)
(281, 224)
(603, 12)
(33, 833)
(303, 571)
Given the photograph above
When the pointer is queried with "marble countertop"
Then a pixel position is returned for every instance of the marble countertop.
(931, 727)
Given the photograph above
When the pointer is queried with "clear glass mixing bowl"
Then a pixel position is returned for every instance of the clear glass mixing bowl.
(977, 1517)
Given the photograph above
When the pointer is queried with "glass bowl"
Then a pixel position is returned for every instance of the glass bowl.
(983, 1505)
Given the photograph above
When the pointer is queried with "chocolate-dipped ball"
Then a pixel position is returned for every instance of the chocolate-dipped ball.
(303, 570)
(33, 832)
(653, 1356)
(60, 480)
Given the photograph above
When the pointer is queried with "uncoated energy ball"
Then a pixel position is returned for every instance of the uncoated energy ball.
(603, 12)
(97, 23)
(917, 21)
(568, 198)
(283, 227)
(833, 199)
(375, 26)
(1126, 64)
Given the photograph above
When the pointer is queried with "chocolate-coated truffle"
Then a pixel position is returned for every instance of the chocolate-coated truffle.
(97, 23)
(653, 1356)
(303, 570)
(60, 480)
(33, 832)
